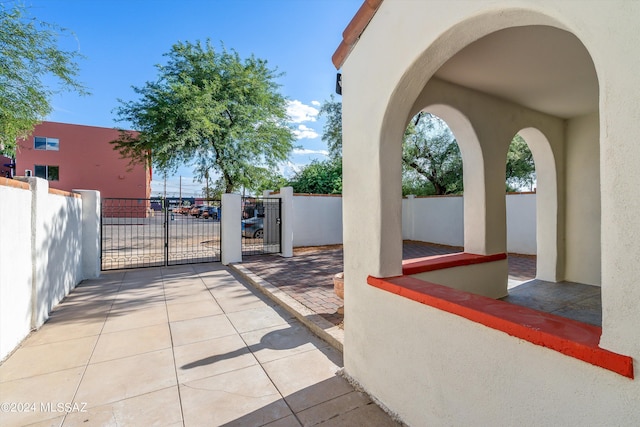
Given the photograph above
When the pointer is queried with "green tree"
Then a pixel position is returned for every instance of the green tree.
(29, 53)
(212, 109)
(521, 169)
(431, 160)
(430, 151)
(332, 129)
(319, 177)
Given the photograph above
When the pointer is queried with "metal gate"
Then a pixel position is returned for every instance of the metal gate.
(152, 232)
(261, 225)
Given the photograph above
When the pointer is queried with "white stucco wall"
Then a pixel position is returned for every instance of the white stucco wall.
(521, 223)
(15, 267)
(583, 201)
(41, 256)
(434, 368)
(63, 271)
(317, 220)
(488, 279)
(433, 219)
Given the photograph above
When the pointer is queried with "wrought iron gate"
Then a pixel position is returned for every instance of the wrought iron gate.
(261, 225)
(152, 232)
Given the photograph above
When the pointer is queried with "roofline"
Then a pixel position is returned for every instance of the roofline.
(354, 30)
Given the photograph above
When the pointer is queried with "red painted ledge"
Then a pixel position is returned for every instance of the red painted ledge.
(439, 262)
(567, 336)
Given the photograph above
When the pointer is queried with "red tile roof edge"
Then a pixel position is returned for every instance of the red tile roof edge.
(354, 30)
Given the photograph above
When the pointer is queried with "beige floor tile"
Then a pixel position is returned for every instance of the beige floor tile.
(212, 357)
(55, 331)
(132, 316)
(111, 381)
(158, 408)
(141, 297)
(240, 300)
(53, 422)
(307, 379)
(129, 342)
(189, 294)
(193, 309)
(333, 408)
(68, 313)
(258, 318)
(56, 387)
(281, 341)
(365, 416)
(201, 329)
(289, 421)
(45, 358)
(244, 397)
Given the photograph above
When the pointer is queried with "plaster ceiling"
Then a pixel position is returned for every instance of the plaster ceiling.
(543, 68)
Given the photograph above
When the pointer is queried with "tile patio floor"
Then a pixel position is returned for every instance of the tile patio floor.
(308, 276)
(178, 346)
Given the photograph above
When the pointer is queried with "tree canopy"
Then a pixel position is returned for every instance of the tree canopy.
(431, 159)
(332, 129)
(430, 152)
(319, 177)
(212, 109)
(29, 53)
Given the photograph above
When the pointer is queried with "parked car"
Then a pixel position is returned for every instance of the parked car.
(212, 212)
(253, 228)
(196, 210)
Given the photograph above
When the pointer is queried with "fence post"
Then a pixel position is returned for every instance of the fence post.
(230, 226)
(90, 233)
(286, 218)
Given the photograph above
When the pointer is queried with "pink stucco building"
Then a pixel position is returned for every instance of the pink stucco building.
(80, 157)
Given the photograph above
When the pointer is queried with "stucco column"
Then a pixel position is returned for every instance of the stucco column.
(372, 193)
(286, 221)
(90, 233)
(39, 249)
(231, 237)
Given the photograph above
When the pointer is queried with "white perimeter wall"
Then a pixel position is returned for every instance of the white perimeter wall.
(41, 255)
(317, 220)
(15, 267)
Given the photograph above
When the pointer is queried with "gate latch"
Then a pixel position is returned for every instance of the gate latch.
(278, 221)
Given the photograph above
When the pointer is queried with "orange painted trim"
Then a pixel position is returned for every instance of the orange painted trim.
(354, 30)
(572, 338)
(439, 262)
(7, 182)
(64, 193)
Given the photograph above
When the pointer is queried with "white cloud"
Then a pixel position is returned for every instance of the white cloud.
(316, 103)
(308, 151)
(300, 113)
(305, 132)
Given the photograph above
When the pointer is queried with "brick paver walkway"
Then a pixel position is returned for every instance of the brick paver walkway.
(308, 275)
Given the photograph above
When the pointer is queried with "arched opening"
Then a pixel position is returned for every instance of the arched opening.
(486, 100)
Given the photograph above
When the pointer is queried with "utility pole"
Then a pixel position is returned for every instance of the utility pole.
(181, 191)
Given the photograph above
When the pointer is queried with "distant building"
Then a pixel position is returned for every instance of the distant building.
(81, 157)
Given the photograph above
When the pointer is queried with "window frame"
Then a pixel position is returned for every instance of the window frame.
(43, 143)
(48, 172)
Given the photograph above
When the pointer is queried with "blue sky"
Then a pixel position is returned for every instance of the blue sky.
(123, 40)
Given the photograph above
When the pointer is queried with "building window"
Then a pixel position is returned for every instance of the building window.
(42, 143)
(50, 173)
